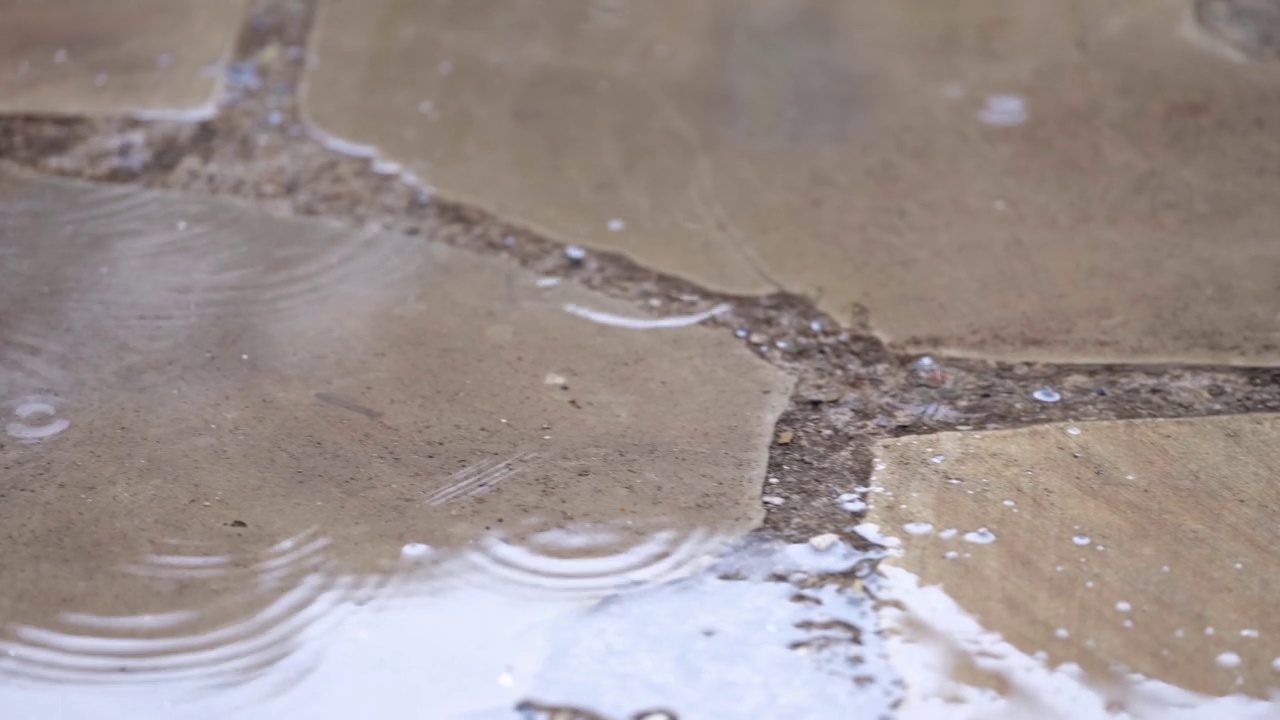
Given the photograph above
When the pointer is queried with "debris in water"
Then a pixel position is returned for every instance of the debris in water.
(575, 253)
(617, 225)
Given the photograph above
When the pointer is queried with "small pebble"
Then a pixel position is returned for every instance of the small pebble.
(824, 541)
(773, 500)
(575, 253)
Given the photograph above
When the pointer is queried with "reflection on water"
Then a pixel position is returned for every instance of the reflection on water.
(237, 446)
(265, 622)
(291, 638)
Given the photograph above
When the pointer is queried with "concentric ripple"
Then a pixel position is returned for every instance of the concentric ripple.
(584, 560)
(265, 603)
(152, 282)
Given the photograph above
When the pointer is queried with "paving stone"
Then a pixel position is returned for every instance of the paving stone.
(1053, 181)
(215, 412)
(160, 57)
(1143, 544)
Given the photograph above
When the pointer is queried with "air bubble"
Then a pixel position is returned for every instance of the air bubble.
(1047, 395)
(415, 551)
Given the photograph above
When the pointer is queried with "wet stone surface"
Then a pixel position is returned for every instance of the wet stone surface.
(1144, 545)
(339, 585)
(148, 57)
(191, 382)
(985, 178)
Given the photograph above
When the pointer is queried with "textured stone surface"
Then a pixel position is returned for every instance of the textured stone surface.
(1023, 180)
(119, 56)
(1150, 544)
(188, 382)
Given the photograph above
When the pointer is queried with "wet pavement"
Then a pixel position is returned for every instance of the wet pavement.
(619, 359)
(154, 57)
(984, 178)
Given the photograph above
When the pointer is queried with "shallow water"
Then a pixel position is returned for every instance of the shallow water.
(237, 445)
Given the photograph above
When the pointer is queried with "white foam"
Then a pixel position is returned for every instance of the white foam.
(929, 635)
(871, 532)
(981, 536)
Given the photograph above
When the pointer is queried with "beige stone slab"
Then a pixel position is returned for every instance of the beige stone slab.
(234, 421)
(106, 57)
(1148, 545)
(1047, 180)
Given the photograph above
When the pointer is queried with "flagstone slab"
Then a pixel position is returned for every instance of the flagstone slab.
(95, 57)
(1144, 545)
(1046, 180)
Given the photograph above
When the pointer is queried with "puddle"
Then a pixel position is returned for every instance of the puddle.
(980, 176)
(143, 57)
(424, 640)
(1128, 568)
(253, 463)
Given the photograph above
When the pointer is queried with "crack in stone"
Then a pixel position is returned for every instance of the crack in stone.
(852, 388)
